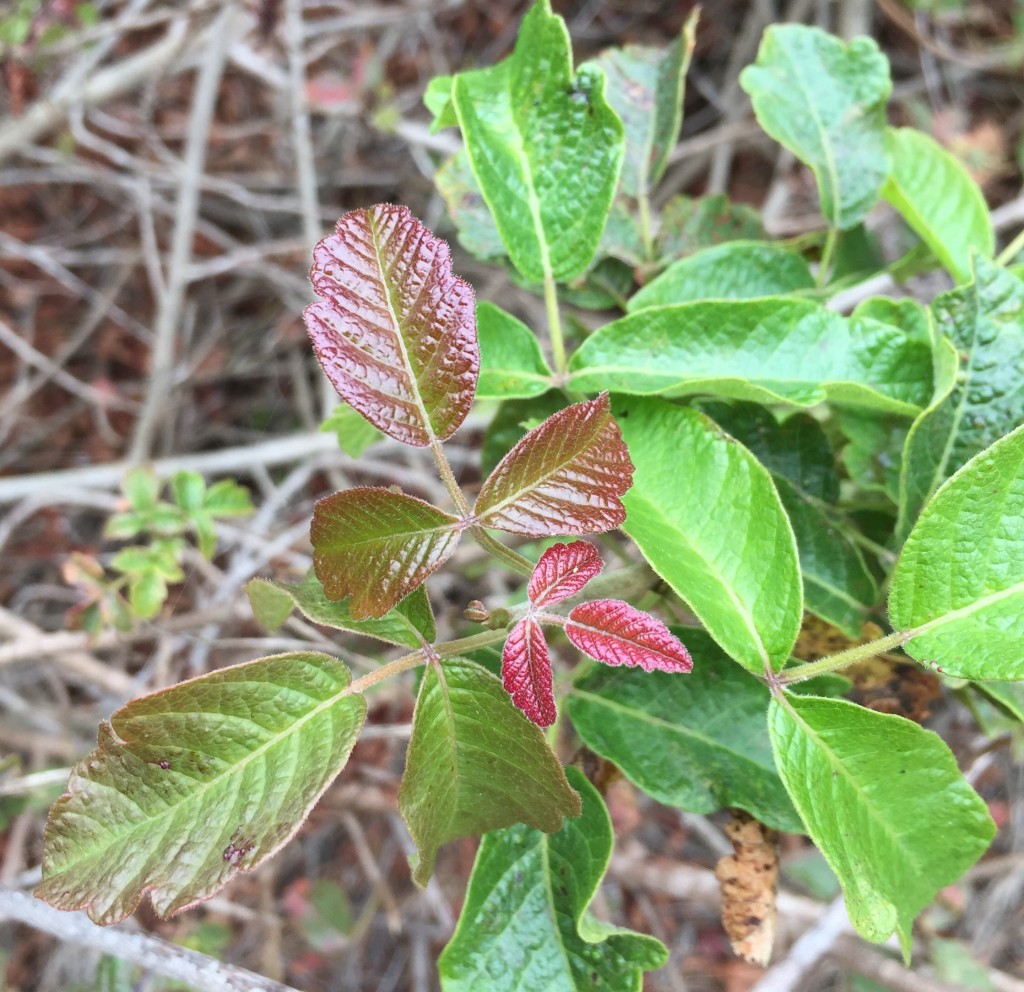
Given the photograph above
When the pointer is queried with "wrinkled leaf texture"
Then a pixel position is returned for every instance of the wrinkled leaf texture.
(562, 571)
(615, 633)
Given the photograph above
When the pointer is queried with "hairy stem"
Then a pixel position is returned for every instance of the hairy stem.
(447, 476)
(834, 662)
(1010, 252)
(510, 559)
(554, 324)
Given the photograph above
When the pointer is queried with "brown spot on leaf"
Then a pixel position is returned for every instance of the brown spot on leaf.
(748, 879)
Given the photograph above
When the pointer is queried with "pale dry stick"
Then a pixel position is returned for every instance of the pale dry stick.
(165, 331)
(371, 869)
(46, 114)
(149, 952)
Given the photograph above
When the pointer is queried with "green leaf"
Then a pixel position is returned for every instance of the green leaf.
(985, 322)
(475, 763)
(938, 199)
(1008, 695)
(545, 147)
(437, 98)
(354, 433)
(737, 270)
(825, 101)
(645, 88)
(194, 784)
(141, 488)
(189, 489)
(669, 738)
(474, 222)
(884, 801)
(409, 624)
(511, 363)
(769, 350)
(873, 453)
(147, 593)
(376, 546)
(959, 582)
(688, 224)
(206, 535)
(716, 532)
(525, 925)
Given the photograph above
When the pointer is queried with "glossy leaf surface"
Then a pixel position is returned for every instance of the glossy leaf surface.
(376, 546)
(884, 801)
(980, 403)
(525, 924)
(545, 147)
(825, 101)
(737, 270)
(969, 610)
(707, 517)
(769, 350)
(526, 672)
(566, 476)
(699, 743)
(938, 199)
(645, 88)
(475, 763)
(511, 363)
(562, 571)
(409, 624)
(394, 329)
(615, 633)
(194, 784)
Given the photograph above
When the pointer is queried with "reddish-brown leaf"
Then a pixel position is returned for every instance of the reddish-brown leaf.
(377, 546)
(395, 329)
(526, 672)
(617, 634)
(562, 571)
(566, 476)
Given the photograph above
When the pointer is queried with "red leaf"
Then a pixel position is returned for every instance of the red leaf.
(617, 634)
(566, 476)
(377, 546)
(526, 672)
(562, 571)
(395, 330)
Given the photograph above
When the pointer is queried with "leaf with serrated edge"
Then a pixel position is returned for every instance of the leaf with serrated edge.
(525, 924)
(377, 546)
(825, 101)
(615, 633)
(545, 147)
(409, 624)
(884, 801)
(767, 350)
(936, 196)
(196, 783)
(707, 517)
(562, 571)
(699, 743)
(394, 330)
(645, 88)
(475, 763)
(982, 400)
(526, 672)
(511, 363)
(566, 476)
(967, 613)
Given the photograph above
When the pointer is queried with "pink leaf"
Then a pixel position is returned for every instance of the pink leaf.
(526, 672)
(566, 476)
(395, 330)
(617, 634)
(377, 546)
(562, 571)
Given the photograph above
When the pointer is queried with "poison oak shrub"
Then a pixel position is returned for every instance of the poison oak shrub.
(729, 422)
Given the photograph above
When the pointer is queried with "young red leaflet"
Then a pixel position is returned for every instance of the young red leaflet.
(562, 571)
(526, 672)
(618, 634)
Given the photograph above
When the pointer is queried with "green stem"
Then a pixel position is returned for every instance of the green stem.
(510, 559)
(827, 253)
(1007, 254)
(834, 662)
(554, 323)
(408, 661)
(444, 470)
